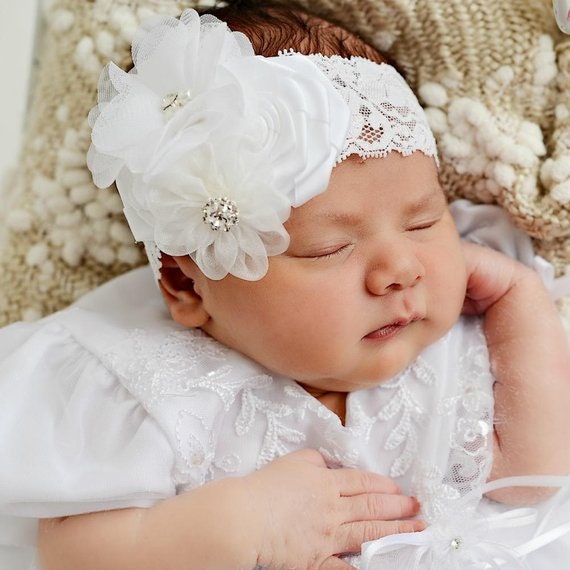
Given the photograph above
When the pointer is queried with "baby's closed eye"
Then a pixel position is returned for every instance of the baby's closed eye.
(423, 225)
(330, 252)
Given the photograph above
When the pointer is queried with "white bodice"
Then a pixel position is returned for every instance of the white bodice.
(224, 414)
(218, 413)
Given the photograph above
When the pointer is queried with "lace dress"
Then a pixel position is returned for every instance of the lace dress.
(109, 404)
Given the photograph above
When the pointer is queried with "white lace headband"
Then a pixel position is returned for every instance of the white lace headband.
(211, 145)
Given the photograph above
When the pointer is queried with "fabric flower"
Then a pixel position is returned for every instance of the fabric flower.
(130, 126)
(210, 145)
(169, 209)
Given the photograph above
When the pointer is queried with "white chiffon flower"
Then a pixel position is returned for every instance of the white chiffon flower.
(171, 206)
(202, 127)
(130, 127)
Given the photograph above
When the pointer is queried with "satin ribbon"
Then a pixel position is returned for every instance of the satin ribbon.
(473, 542)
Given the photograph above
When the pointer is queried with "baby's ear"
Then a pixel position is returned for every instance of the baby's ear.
(177, 286)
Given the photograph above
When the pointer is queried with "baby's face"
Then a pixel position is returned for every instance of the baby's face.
(373, 275)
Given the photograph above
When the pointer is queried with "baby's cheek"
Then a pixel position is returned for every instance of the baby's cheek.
(448, 296)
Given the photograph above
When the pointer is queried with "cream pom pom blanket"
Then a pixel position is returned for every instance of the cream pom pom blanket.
(494, 78)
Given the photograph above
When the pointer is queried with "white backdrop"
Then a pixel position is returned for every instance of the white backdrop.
(18, 19)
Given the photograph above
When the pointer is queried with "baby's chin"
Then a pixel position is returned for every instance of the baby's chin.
(374, 376)
(400, 356)
(384, 367)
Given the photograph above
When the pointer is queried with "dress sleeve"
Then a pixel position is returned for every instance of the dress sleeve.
(72, 438)
(491, 226)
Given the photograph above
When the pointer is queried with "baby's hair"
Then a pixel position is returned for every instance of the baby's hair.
(273, 27)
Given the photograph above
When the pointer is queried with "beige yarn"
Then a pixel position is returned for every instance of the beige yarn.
(494, 78)
(64, 236)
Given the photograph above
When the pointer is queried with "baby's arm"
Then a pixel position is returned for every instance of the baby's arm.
(292, 513)
(530, 359)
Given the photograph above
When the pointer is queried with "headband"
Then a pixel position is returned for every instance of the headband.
(211, 145)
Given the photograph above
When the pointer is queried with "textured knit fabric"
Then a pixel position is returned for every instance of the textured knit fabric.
(494, 78)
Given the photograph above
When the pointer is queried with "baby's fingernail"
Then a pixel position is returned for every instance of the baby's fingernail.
(420, 525)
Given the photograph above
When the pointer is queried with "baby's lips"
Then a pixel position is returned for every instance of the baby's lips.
(398, 322)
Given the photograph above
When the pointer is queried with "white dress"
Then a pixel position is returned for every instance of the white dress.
(110, 404)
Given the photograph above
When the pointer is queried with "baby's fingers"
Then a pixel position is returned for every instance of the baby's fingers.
(379, 507)
(352, 482)
(352, 535)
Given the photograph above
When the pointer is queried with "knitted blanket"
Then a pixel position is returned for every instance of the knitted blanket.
(494, 78)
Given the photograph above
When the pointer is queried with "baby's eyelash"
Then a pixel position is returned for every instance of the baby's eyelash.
(330, 254)
(424, 226)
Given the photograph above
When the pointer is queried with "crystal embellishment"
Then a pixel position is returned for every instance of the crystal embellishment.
(174, 101)
(220, 213)
(456, 543)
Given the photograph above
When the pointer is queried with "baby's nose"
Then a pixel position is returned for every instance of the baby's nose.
(393, 269)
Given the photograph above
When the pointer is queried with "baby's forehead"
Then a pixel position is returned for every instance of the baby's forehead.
(359, 187)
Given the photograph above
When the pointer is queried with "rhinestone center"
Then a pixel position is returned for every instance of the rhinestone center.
(220, 214)
(456, 543)
(174, 101)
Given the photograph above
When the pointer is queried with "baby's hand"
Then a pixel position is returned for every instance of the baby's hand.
(490, 276)
(306, 513)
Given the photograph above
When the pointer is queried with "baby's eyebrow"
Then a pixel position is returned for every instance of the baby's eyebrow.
(340, 218)
(434, 196)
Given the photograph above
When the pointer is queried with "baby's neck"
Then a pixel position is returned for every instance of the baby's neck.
(334, 401)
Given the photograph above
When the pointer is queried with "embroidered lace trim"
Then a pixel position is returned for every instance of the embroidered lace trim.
(190, 381)
(378, 125)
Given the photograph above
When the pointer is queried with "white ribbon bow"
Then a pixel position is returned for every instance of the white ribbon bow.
(467, 540)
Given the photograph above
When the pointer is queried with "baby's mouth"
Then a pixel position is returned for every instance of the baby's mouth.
(392, 329)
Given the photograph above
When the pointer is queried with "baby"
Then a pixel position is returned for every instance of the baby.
(328, 356)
